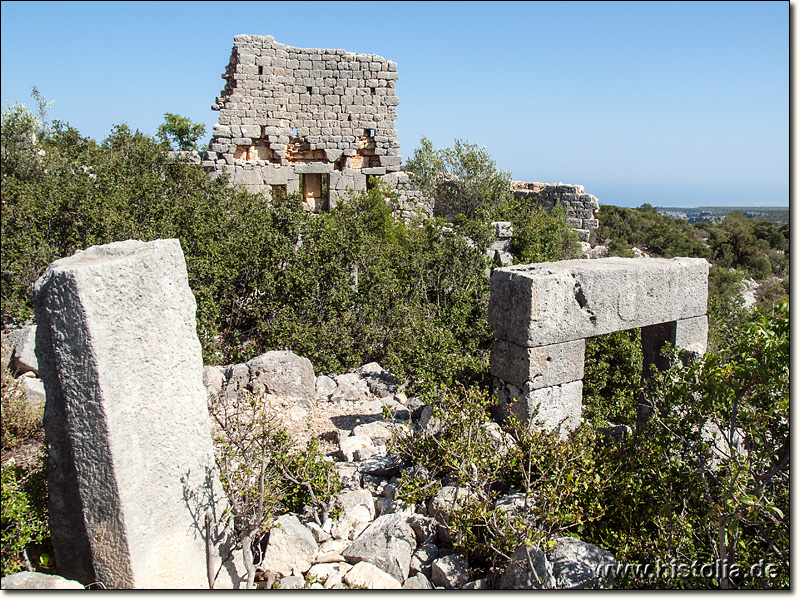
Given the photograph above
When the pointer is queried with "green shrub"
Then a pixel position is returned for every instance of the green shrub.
(24, 523)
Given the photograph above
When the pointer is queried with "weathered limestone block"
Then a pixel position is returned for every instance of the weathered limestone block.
(283, 373)
(543, 366)
(131, 467)
(549, 303)
(23, 357)
(554, 407)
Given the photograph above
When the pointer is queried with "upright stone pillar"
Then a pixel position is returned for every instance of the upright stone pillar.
(131, 466)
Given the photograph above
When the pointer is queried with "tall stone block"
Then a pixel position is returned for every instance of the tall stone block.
(131, 467)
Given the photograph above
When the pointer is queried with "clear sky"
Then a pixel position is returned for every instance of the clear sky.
(671, 103)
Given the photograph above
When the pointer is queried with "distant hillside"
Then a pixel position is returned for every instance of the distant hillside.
(714, 214)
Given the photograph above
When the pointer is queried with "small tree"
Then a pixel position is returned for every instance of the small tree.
(461, 180)
(181, 131)
(262, 473)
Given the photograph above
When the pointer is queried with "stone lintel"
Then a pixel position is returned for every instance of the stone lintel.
(540, 367)
(548, 303)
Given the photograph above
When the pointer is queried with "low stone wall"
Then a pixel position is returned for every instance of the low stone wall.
(542, 314)
(579, 206)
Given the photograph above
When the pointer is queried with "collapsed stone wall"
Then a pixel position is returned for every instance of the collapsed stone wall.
(307, 120)
(579, 206)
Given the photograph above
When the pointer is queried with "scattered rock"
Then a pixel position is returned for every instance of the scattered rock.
(34, 389)
(23, 358)
(388, 543)
(291, 547)
(368, 576)
(518, 574)
(28, 580)
(325, 386)
(380, 381)
(350, 387)
(283, 373)
(292, 582)
(417, 582)
(422, 559)
(579, 565)
(450, 572)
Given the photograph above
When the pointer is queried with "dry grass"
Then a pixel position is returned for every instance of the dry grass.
(20, 419)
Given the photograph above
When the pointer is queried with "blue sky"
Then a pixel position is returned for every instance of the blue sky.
(673, 103)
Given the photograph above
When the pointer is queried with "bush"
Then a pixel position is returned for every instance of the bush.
(23, 523)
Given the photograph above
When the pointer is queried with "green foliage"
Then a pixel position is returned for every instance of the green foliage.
(670, 494)
(24, 518)
(461, 180)
(180, 131)
(542, 236)
(612, 373)
(623, 228)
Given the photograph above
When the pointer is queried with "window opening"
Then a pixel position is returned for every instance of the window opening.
(315, 188)
(308, 91)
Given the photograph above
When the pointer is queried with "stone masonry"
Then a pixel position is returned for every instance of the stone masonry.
(310, 120)
(131, 467)
(542, 314)
(579, 206)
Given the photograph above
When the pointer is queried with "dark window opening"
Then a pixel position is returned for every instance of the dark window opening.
(260, 70)
(369, 132)
(308, 91)
(373, 91)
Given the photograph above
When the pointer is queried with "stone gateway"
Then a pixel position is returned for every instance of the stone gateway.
(542, 314)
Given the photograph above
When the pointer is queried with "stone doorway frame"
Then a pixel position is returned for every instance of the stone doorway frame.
(542, 314)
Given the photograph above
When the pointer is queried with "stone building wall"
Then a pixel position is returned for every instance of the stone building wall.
(307, 120)
(579, 206)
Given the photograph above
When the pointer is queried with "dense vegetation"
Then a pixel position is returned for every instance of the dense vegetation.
(355, 285)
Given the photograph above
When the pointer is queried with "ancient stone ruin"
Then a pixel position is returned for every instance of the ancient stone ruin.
(579, 206)
(131, 467)
(543, 313)
(310, 120)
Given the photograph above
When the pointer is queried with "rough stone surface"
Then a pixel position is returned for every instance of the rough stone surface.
(282, 373)
(417, 582)
(518, 574)
(579, 565)
(325, 386)
(350, 387)
(23, 357)
(381, 382)
(388, 543)
(558, 406)
(556, 302)
(366, 575)
(291, 547)
(34, 389)
(28, 580)
(450, 572)
(131, 466)
(543, 366)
